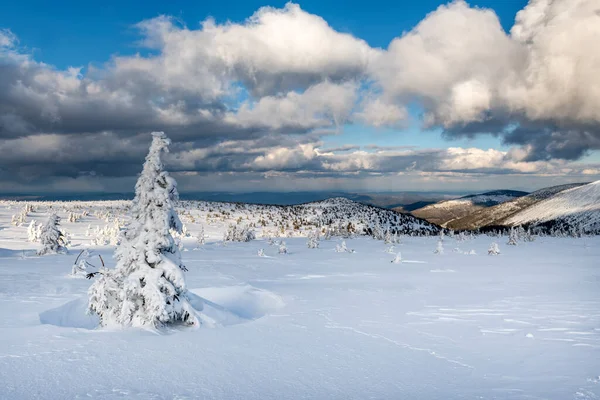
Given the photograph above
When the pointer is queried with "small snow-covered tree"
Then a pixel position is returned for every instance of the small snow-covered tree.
(391, 249)
(283, 248)
(397, 259)
(342, 248)
(439, 249)
(512, 238)
(313, 240)
(147, 286)
(201, 240)
(494, 250)
(387, 237)
(529, 237)
(261, 252)
(33, 231)
(52, 239)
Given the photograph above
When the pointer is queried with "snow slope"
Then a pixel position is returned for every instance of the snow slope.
(443, 212)
(313, 323)
(577, 207)
(495, 215)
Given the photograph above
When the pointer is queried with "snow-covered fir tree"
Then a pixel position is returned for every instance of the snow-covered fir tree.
(147, 286)
(494, 250)
(51, 237)
(512, 237)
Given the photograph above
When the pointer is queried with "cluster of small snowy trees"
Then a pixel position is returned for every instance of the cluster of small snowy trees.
(147, 287)
(20, 218)
(239, 233)
(107, 235)
(519, 234)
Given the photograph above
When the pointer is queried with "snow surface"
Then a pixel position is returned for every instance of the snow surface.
(314, 323)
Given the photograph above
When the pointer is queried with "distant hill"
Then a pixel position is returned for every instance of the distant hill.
(443, 212)
(498, 214)
(576, 209)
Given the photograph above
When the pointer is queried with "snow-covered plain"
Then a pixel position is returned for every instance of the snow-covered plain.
(314, 323)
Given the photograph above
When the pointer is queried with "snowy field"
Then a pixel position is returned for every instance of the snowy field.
(314, 323)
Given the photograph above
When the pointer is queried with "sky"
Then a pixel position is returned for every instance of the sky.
(317, 95)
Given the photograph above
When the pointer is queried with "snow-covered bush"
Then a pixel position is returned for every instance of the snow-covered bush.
(147, 286)
(494, 250)
(82, 265)
(51, 237)
(397, 259)
(261, 252)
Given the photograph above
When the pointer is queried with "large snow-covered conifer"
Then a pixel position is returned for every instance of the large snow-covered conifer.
(147, 286)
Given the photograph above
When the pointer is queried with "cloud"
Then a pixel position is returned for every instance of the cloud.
(536, 85)
(258, 96)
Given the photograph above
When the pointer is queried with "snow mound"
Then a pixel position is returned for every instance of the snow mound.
(71, 315)
(219, 306)
(235, 304)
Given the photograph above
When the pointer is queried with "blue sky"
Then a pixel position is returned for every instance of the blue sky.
(249, 103)
(75, 33)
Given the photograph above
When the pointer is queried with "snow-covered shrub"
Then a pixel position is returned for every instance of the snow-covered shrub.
(283, 248)
(494, 250)
(147, 286)
(82, 265)
(397, 259)
(391, 249)
(51, 237)
(261, 252)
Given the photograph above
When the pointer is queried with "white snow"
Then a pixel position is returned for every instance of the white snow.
(314, 323)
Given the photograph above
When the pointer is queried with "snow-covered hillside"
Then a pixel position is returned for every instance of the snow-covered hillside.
(576, 208)
(495, 215)
(312, 323)
(443, 212)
